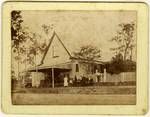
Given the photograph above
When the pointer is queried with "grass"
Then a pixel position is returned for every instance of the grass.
(81, 90)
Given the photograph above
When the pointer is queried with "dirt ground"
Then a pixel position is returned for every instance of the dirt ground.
(71, 99)
(104, 95)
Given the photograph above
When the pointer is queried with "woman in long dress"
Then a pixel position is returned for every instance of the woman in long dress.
(65, 81)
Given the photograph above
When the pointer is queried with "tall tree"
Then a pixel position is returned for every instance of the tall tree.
(18, 35)
(125, 40)
(35, 48)
(88, 52)
(26, 45)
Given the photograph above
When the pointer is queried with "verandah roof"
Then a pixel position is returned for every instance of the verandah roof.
(65, 66)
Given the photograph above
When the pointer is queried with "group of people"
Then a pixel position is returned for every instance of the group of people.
(67, 81)
(83, 80)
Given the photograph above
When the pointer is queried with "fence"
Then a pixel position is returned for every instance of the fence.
(122, 77)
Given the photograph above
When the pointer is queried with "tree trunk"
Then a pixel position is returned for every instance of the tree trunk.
(125, 54)
(131, 54)
(18, 62)
(26, 60)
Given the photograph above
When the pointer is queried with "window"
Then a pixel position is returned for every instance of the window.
(77, 68)
(54, 52)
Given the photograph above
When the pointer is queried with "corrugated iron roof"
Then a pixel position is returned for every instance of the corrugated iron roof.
(60, 66)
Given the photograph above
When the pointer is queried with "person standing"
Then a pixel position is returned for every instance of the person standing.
(98, 75)
(70, 82)
(65, 81)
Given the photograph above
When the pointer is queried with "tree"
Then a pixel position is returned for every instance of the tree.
(125, 40)
(88, 52)
(18, 35)
(25, 44)
(35, 48)
(116, 65)
(47, 28)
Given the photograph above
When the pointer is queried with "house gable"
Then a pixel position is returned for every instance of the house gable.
(56, 52)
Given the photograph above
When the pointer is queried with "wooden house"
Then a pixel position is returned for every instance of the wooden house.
(57, 61)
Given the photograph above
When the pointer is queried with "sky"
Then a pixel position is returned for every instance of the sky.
(78, 28)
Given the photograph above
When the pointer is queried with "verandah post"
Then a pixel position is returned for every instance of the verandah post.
(53, 78)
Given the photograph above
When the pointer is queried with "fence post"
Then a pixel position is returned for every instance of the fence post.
(104, 74)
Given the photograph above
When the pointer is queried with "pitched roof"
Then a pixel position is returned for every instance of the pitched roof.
(88, 60)
(71, 57)
(51, 39)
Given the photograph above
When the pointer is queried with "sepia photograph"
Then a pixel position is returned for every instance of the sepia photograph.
(73, 57)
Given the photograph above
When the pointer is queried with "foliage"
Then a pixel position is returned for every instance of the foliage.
(13, 74)
(47, 28)
(88, 52)
(125, 40)
(25, 44)
(18, 33)
(118, 65)
(34, 48)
